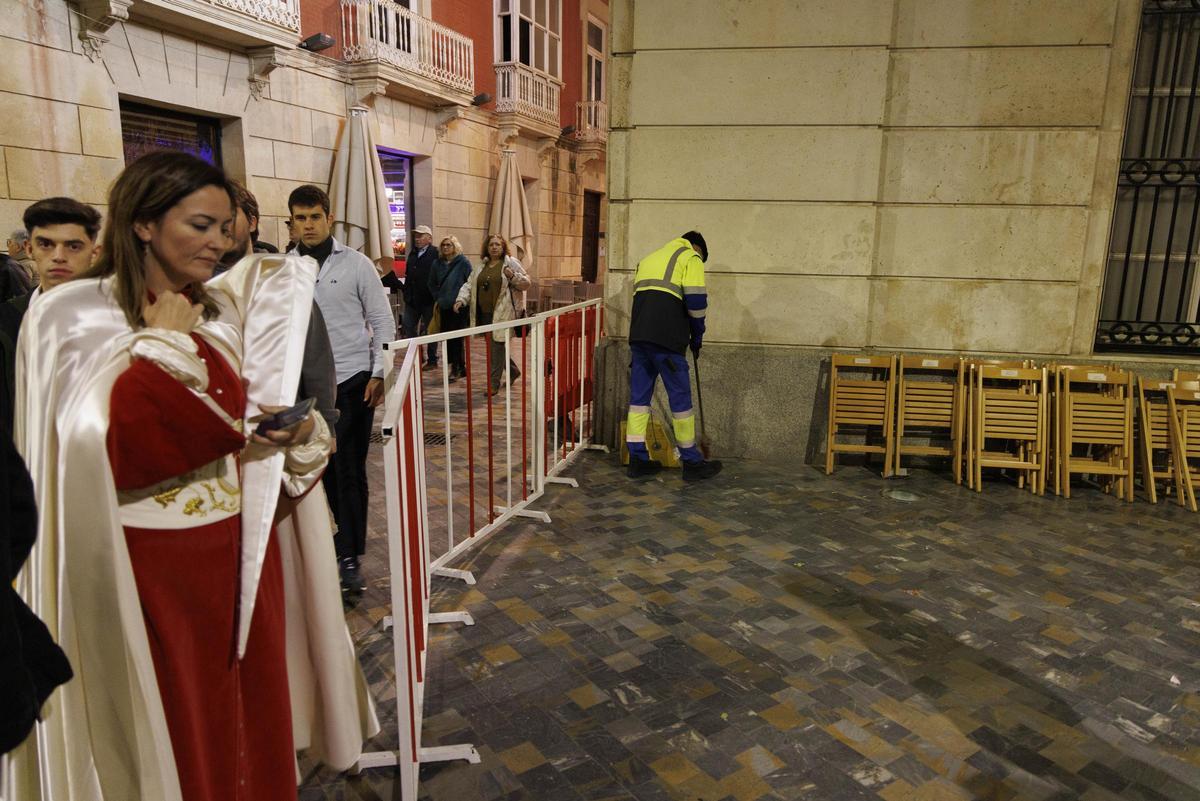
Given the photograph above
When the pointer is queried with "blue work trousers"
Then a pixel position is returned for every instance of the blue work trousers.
(648, 363)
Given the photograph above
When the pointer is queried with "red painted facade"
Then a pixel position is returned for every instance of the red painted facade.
(473, 19)
(322, 16)
(572, 62)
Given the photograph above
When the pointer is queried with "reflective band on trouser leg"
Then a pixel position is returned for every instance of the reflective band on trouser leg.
(635, 432)
(684, 424)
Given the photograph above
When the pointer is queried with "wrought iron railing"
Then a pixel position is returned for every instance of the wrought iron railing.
(591, 121)
(1151, 298)
(382, 30)
(527, 92)
(284, 13)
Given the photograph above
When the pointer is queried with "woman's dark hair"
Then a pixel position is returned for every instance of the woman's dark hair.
(145, 191)
(244, 199)
(697, 241)
(488, 240)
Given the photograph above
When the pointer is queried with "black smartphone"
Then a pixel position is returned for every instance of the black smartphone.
(287, 418)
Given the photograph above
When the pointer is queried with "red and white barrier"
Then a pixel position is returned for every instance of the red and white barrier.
(545, 421)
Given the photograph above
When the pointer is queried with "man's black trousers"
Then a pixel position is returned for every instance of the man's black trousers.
(346, 477)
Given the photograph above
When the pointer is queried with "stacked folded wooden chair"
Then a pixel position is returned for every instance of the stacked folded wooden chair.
(930, 402)
(970, 369)
(1043, 424)
(1094, 414)
(1010, 424)
(861, 405)
(1162, 445)
(1186, 396)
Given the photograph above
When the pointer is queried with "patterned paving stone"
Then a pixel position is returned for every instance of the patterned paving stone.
(778, 634)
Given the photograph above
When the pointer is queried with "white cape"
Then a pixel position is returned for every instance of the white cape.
(104, 735)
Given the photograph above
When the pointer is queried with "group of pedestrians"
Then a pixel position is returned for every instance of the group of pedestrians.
(444, 292)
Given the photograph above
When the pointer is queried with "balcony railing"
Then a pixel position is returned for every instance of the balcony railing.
(386, 31)
(527, 92)
(284, 13)
(244, 24)
(591, 121)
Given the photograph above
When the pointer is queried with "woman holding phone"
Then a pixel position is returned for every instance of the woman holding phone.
(158, 556)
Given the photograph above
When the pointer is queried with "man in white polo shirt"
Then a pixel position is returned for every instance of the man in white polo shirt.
(359, 320)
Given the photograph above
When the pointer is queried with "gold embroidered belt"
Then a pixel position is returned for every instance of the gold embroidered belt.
(203, 496)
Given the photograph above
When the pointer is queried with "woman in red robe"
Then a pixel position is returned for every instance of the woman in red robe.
(175, 450)
(159, 567)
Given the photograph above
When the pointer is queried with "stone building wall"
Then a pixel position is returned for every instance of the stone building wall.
(920, 175)
(60, 132)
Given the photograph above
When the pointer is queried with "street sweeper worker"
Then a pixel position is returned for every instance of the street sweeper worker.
(669, 304)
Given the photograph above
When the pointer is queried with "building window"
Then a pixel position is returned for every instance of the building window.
(397, 178)
(145, 129)
(1151, 297)
(596, 35)
(530, 32)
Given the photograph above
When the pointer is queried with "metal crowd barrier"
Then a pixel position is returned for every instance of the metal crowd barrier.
(548, 418)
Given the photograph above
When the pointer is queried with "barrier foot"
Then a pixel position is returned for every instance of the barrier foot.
(438, 753)
(452, 617)
(375, 759)
(570, 482)
(543, 516)
(450, 572)
(449, 753)
(603, 448)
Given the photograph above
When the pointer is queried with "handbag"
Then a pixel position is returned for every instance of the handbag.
(435, 321)
(520, 330)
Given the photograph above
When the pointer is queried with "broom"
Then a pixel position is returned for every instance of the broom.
(705, 445)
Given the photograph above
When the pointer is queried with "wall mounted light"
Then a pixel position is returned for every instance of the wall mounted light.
(481, 98)
(317, 42)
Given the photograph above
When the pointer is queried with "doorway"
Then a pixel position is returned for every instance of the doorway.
(590, 250)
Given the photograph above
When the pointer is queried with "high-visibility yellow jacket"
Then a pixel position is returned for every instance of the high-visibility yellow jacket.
(669, 297)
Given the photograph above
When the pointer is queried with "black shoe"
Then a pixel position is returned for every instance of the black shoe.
(701, 470)
(352, 582)
(640, 468)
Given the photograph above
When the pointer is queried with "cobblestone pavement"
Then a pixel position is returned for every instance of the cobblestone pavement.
(777, 634)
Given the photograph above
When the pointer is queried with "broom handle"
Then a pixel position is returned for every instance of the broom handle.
(699, 393)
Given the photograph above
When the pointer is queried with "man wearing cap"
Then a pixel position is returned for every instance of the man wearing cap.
(669, 306)
(418, 301)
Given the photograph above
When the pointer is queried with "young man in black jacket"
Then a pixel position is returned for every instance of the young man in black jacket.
(62, 244)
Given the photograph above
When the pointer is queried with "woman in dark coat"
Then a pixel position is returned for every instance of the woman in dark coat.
(449, 273)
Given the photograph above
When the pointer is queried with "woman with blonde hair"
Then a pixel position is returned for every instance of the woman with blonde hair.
(495, 293)
(446, 278)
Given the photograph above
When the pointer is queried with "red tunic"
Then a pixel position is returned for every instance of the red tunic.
(230, 720)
